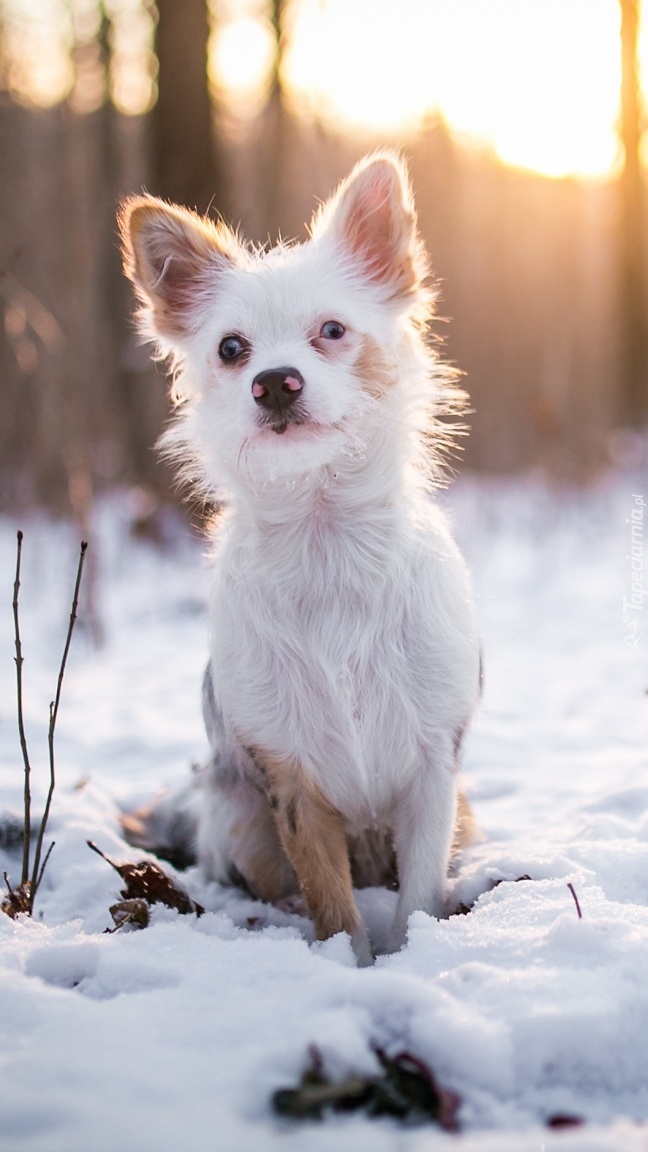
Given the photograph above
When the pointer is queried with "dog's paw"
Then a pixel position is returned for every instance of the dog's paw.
(362, 948)
(397, 938)
(294, 904)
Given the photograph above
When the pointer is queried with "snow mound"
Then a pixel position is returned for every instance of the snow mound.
(531, 1003)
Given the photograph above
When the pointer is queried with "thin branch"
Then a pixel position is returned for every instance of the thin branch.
(91, 844)
(40, 874)
(37, 873)
(21, 723)
(578, 907)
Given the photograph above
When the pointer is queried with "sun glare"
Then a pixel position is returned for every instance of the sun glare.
(132, 62)
(366, 67)
(241, 56)
(536, 82)
(36, 46)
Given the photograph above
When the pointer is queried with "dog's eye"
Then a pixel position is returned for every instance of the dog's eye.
(231, 348)
(332, 330)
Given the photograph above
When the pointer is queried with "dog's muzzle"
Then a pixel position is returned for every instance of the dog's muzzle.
(276, 390)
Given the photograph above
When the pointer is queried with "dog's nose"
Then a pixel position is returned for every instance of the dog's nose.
(277, 388)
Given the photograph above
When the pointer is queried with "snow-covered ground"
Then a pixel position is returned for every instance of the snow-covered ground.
(175, 1037)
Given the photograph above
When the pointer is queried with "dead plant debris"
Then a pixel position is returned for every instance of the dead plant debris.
(16, 900)
(134, 912)
(407, 1090)
(564, 1120)
(148, 883)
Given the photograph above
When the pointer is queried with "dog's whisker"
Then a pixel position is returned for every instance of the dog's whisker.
(242, 449)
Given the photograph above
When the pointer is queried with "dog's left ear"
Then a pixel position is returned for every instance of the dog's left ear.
(372, 221)
(173, 257)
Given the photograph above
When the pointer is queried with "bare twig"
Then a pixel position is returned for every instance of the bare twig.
(37, 873)
(21, 899)
(40, 874)
(91, 844)
(578, 907)
(21, 722)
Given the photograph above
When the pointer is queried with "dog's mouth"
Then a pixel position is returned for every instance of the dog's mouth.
(280, 421)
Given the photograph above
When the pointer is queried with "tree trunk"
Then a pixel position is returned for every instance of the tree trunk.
(184, 165)
(633, 293)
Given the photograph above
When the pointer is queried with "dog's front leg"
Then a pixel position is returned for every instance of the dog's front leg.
(424, 826)
(312, 833)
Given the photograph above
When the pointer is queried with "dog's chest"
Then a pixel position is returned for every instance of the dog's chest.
(304, 620)
(317, 653)
(318, 608)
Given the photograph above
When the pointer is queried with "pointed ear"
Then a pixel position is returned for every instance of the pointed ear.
(371, 219)
(171, 255)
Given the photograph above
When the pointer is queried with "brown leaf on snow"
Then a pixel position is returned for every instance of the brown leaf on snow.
(16, 900)
(135, 912)
(147, 881)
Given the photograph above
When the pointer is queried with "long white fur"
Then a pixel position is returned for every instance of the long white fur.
(342, 629)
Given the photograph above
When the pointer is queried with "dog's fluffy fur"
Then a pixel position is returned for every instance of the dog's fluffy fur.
(344, 662)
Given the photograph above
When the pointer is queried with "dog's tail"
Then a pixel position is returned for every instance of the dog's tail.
(466, 829)
(169, 826)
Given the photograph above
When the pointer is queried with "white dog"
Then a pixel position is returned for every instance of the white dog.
(344, 662)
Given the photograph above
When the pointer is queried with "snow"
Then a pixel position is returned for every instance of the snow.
(176, 1036)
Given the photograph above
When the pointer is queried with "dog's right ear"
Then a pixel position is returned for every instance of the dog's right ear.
(372, 221)
(173, 257)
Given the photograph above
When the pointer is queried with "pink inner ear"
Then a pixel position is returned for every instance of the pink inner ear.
(177, 279)
(378, 231)
(172, 255)
(369, 234)
(172, 264)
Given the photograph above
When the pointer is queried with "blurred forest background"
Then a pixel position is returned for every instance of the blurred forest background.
(543, 277)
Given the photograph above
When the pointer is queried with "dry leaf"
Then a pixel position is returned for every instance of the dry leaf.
(17, 900)
(147, 881)
(136, 912)
(408, 1090)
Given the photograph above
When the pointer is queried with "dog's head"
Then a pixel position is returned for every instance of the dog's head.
(288, 358)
